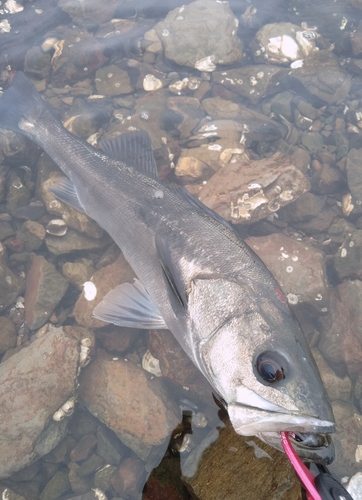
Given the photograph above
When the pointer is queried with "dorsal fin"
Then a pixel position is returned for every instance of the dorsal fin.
(134, 149)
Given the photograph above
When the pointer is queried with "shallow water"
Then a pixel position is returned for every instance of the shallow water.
(292, 88)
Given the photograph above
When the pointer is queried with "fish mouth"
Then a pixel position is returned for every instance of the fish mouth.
(310, 447)
(310, 436)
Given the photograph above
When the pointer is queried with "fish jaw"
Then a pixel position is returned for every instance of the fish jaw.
(267, 426)
(249, 421)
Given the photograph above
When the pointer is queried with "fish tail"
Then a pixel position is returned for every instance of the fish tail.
(21, 106)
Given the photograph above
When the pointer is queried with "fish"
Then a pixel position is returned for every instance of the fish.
(195, 277)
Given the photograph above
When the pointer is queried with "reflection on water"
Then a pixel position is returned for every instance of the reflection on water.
(256, 108)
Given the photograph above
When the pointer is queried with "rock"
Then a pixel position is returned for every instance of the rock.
(354, 487)
(71, 217)
(282, 43)
(5, 230)
(83, 448)
(299, 269)
(111, 81)
(82, 424)
(109, 447)
(78, 272)
(248, 191)
(39, 378)
(105, 279)
(61, 452)
(190, 36)
(128, 479)
(18, 194)
(322, 77)
(337, 388)
(102, 478)
(230, 465)
(58, 485)
(313, 141)
(76, 57)
(164, 482)
(93, 463)
(341, 337)
(190, 112)
(123, 397)
(254, 82)
(354, 169)
(11, 286)
(116, 338)
(347, 439)
(32, 234)
(80, 10)
(37, 63)
(73, 241)
(8, 336)
(45, 288)
(347, 260)
(191, 168)
(309, 213)
(77, 483)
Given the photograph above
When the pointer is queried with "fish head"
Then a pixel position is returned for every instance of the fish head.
(255, 355)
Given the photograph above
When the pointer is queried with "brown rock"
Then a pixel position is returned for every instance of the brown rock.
(128, 479)
(11, 286)
(105, 279)
(45, 288)
(230, 466)
(249, 191)
(123, 397)
(337, 388)
(34, 383)
(83, 449)
(117, 338)
(8, 334)
(299, 269)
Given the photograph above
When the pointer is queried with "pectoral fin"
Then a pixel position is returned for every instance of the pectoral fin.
(130, 305)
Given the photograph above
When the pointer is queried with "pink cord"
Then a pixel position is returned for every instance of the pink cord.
(304, 474)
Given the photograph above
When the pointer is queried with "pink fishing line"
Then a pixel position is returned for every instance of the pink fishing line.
(304, 474)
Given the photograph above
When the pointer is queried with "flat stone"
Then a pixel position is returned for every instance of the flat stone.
(83, 448)
(112, 81)
(248, 191)
(128, 479)
(34, 383)
(347, 260)
(122, 396)
(45, 288)
(11, 285)
(33, 234)
(73, 241)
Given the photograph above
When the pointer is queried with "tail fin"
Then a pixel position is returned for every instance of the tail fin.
(21, 105)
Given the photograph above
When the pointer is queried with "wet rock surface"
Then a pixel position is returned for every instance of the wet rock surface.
(27, 424)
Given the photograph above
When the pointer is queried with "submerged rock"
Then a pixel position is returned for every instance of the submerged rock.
(298, 268)
(245, 192)
(123, 396)
(230, 466)
(45, 288)
(34, 383)
(11, 286)
(190, 35)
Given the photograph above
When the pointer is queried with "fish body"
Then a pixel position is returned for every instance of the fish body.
(196, 277)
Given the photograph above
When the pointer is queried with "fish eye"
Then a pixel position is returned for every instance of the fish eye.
(270, 367)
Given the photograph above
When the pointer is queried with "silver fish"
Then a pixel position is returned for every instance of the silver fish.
(196, 277)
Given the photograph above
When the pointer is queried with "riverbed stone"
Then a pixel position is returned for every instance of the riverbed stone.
(8, 334)
(34, 383)
(11, 285)
(347, 260)
(248, 191)
(190, 35)
(230, 466)
(139, 410)
(298, 268)
(45, 288)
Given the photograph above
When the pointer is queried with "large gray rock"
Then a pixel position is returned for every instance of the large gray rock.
(190, 35)
(34, 383)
